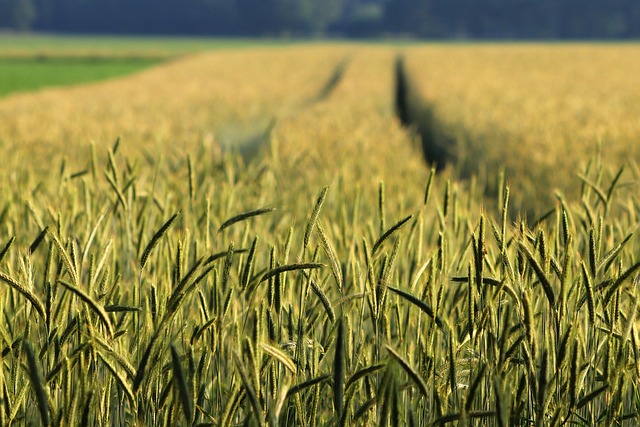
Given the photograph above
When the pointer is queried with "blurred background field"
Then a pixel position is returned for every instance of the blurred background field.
(532, 115)
(536, 112)
(105, 45)
(30, 62)
(183, 102)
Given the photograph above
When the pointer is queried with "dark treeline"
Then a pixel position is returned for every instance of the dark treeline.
(508, 19)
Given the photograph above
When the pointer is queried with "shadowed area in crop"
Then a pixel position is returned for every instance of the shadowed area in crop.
(417, 116)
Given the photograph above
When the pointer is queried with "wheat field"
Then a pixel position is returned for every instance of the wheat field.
(253, 237)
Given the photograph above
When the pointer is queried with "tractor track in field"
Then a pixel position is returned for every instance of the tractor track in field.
(250, 139)
(418, 117)
(332, 82)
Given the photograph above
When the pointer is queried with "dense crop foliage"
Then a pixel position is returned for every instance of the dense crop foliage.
(326, 277)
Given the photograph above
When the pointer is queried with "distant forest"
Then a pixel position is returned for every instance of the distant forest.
(484, 19)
